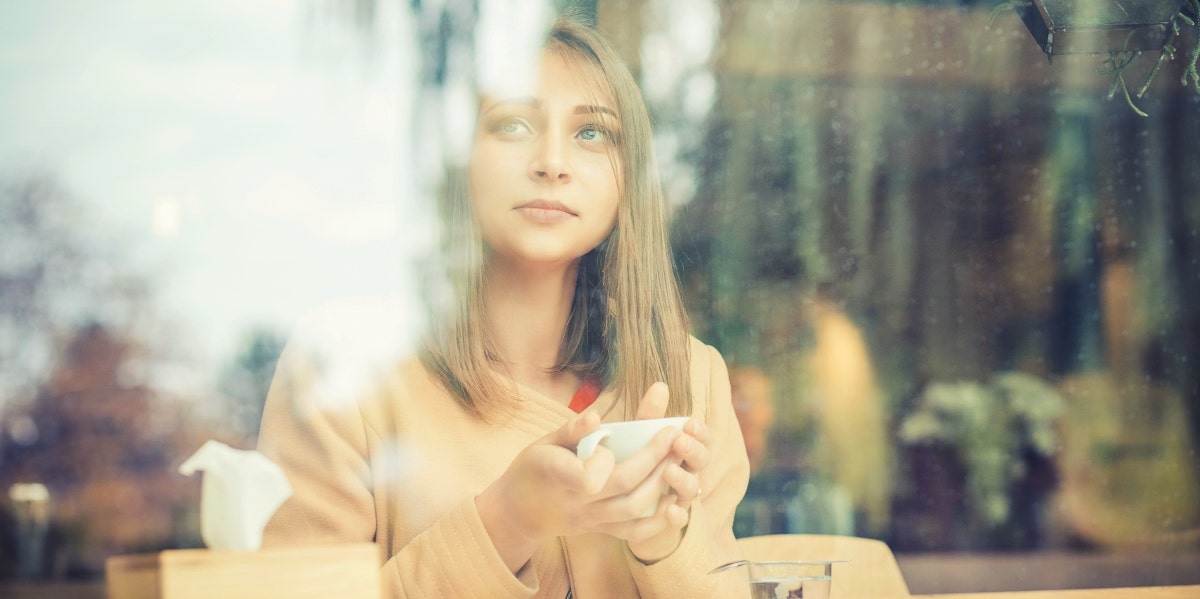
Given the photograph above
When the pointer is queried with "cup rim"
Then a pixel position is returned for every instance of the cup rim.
(802, 562)
(667, 421)
(624, 427)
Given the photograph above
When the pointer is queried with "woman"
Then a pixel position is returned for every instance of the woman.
(460, 463)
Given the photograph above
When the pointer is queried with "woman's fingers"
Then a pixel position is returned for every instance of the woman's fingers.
(667, 515)
(692, 448)
(617, 496)
(631, 472)
(691, 455)
(548, 490)
(554, 456)
(634, 504)
(552, 459)
(684, 484)
(597, 469)
(654, 402)
(698, 430)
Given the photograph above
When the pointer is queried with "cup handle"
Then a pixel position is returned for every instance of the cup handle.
(587, 445)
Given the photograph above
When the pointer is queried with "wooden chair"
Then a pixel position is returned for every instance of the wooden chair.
(871, 572)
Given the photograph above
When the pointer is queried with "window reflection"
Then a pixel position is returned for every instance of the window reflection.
(958, 286)
(983, 226)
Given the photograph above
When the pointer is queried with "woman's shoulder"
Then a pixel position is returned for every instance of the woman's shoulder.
(369, 327)
(709, 376)
(703, 356)
(349, 346)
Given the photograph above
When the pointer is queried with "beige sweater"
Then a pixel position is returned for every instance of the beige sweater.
(397, 461)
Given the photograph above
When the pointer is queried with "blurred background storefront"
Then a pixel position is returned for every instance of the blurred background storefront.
(964, 276)
(957, 283)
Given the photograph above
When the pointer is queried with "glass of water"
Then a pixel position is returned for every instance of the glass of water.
(790, 580)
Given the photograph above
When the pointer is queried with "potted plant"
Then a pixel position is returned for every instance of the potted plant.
(1002, 436)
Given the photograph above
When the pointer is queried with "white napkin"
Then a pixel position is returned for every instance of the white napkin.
(240, 492)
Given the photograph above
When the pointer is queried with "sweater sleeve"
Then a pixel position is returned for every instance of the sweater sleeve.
(708, 540)
(320, 439)
(455, 558)
(321, 446)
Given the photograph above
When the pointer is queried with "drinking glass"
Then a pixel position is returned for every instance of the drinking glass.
(790, 580)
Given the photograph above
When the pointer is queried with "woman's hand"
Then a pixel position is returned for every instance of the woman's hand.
(689, 455)
(691, 451)
(547, 491)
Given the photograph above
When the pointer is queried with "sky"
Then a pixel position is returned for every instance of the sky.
(244, 154)
(260, 160)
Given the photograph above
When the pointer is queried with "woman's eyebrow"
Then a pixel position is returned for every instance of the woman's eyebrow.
(592, 109)
(535, 103)
(531, 102)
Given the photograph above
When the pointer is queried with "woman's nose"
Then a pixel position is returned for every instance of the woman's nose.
(549, 161)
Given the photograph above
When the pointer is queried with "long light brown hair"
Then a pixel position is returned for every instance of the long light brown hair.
(627, 325)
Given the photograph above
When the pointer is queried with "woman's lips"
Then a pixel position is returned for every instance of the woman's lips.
(546, 211)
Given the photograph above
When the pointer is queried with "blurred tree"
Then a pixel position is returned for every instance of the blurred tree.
(57, 273)
(105, 447)
(79, 412)
(246, 380)
(41, 255)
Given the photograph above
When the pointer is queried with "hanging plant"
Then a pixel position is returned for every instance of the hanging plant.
(1123, 30)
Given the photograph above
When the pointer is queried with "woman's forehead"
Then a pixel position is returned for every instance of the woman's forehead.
(560, 71)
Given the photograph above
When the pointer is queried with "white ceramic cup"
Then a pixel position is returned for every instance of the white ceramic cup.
(625, 438)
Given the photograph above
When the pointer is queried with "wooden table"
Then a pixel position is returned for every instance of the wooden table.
(316, 572)
(96, 591)
(1180, 592)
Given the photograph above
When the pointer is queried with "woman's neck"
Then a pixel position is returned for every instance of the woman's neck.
(527, 314)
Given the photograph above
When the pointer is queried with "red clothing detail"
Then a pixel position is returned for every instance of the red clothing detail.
(588, 391)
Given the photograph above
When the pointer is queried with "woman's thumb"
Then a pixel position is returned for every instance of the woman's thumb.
(574, 429)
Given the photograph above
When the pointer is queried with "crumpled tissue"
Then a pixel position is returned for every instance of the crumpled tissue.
(241, 491)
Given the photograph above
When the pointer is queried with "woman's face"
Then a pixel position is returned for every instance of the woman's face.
(545, 168)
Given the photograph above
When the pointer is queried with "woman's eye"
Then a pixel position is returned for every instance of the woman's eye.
(595, 133)
(511, 127)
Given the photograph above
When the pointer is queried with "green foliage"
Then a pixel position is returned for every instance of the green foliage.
(991, 427)
(1119, 61)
